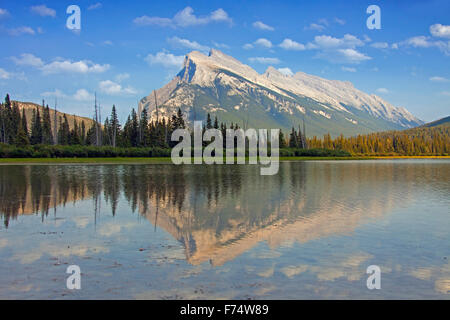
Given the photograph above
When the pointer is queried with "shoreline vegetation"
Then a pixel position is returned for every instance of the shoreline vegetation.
(167, 160)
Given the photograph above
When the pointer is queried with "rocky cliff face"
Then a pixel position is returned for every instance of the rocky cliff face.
(234, 92)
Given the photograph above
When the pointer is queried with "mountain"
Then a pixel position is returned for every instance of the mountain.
(224, 87)
(441, 122)
(30, 106)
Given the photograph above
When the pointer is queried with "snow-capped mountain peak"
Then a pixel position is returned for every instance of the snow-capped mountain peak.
(218, 83)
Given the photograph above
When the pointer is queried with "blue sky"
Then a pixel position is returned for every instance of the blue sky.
(126, 49)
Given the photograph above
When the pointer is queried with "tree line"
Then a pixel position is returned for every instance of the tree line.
(136, 132)
(139, 132)
(411, 142)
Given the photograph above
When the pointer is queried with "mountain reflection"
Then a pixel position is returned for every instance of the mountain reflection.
(217, 212)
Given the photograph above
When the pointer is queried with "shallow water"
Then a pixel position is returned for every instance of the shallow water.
(208, 232)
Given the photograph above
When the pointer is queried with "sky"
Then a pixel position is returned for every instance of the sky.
(123, 49)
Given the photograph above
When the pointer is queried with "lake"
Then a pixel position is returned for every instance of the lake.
(162, 231)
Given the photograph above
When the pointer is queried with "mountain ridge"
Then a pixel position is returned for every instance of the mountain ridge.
(234, 92)
(439, 122)
(30, 106)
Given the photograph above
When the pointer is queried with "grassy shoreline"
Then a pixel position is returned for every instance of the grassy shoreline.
(167, 160)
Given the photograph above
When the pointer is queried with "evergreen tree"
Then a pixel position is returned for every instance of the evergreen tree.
(208, 122)
(144, 129)
(282, 140)
(24, 123)
(83, 133)
(114, 126)
(75, 134)
(47, 135)
(134, 129)
(216, 123)
(15, 121)
(293, 141)
(21, 138)
(6, 114)
(107, 133)
(91, 136)
(179, 121)
(36, 128)
(64, 131)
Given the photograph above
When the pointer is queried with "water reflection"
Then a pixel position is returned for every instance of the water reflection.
(220, 212)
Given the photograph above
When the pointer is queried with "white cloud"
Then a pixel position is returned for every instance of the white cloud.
(438, 79)
(57, 94)
(328, 42)
(427, 42)
(439, 30)
(184, 18)
(352, 56)
(262, 26)
(366, 38)
(20, 30)
(264, 60)
(418, 42)
(262, 42)
(322, 24)
(382, 90)
(165, 59)
(83, 95)
(289, 44)
(445, 93)
(221, 45)
(113, 88)
(28, 59)
(348, 69)
(286, 71)
(323, 21)
(315, 26)
(380, 45)
(339, 21)
(3, 13)
(82, 66)
(43, 11)
(107, 43)
(79, 95)
(4, 74)
(185, 43)
(122, 76)
(59, 66)
(97, 5)
(338, 50)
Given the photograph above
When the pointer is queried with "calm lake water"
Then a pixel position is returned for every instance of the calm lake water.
(225, 232)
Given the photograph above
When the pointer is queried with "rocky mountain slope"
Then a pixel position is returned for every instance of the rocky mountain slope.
(234, 92)
(441, 122)
(30, 106)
